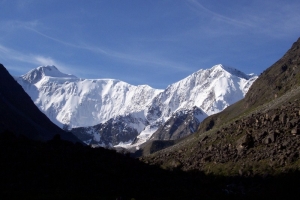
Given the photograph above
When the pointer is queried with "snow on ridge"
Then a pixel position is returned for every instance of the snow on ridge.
(231, 71)
(52, 71)
(35, 75)
(68, 100)
(211, 90)
(75, 102)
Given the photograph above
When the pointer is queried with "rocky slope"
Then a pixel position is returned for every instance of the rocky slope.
(278, 79)
(21, 116)
(262, 142)
(258, 138)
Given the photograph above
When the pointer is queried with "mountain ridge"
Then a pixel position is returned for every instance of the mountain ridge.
(71, 102)
(35, 75)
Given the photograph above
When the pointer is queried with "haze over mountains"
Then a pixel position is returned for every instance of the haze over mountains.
(110, 112)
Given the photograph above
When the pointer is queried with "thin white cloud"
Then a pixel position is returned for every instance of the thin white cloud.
(136, 58)
(51, 38)
(37, 60)
(15, 55)
(45, 60)
(276, 19)
(229, 20)
(139, 58)
(31, 26)
(11, 25)
(281, 19)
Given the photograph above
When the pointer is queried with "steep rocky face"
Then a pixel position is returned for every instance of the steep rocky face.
(112, 132)
(21, 116)
(180, 124)
(278, 79)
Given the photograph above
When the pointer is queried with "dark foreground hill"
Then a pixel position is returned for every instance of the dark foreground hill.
(19, 114)
(62, 170)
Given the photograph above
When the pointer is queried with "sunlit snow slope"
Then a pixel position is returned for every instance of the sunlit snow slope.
(112, 109)
(76, 102)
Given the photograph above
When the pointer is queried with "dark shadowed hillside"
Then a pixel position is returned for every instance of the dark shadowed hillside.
(62, 170)
(21, 116)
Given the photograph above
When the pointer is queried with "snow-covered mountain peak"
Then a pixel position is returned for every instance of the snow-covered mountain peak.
(75, 102)
(212, 90)
(114, 106)
(35, 75)
(230, 70)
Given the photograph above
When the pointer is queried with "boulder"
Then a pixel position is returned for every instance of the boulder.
(245, 141)
(295, 131)
(270, 138)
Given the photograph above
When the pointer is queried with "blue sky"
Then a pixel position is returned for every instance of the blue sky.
(154, 42)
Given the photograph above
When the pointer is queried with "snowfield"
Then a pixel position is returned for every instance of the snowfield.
(72, 102)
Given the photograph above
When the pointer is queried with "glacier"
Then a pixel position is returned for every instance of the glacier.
(75, 102)
(112, 112)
